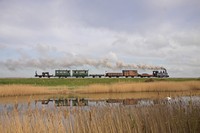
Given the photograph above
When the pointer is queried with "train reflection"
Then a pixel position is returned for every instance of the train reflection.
(65, 102)
(90, 102)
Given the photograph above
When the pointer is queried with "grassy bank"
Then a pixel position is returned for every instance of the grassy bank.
(73, 82)
(174, 118)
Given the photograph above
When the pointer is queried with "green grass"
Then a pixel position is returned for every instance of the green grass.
(73, 82)
(63, 82)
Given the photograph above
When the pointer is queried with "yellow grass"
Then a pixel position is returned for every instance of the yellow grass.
(141, 87)
(22, 90)
(108, 119)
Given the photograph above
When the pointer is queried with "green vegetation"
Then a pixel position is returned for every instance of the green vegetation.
(75, 82)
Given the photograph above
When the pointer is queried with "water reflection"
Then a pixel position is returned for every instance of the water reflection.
(65, 102)
(91, 102)
(85, 100)
(99, 96)
(138, 102)
(51, 103)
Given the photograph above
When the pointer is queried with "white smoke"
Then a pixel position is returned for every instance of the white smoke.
(54, 63)
(47, 58)
(122, 65)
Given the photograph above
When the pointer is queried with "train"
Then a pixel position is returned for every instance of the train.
(85, 73)
(134, 73)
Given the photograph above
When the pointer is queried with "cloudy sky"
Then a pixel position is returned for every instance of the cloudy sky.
(99, 35)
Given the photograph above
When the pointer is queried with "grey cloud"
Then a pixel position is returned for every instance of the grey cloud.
(187, 38)
(136, 16)
(157, 42)
(2, 46)
(103, 34)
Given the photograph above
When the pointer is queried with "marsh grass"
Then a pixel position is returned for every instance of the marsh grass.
(141, 87)
(120, 87)
(161, 118)
(23, 90)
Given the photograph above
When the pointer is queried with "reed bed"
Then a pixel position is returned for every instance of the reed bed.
(122, 87)
(165, 86)
(23, 90)
(162, 118)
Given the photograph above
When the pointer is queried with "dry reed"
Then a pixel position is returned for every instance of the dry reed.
(141, 87)
(103, 119)
(23, 90)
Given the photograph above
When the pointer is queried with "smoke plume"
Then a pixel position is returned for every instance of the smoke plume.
(50, 58)
(55, 63)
